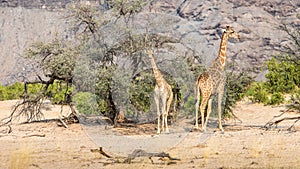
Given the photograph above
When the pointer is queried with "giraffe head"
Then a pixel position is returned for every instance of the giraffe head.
(231, 33)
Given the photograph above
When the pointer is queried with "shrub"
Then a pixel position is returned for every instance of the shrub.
(141, 90)
(276, 98)
(236, 87)
(11, 92)
(283, 76)
(257, 93)
(15, 91)
(3, 93)
(86, 103)
(34, 88)
(58, 91)
(189, 105)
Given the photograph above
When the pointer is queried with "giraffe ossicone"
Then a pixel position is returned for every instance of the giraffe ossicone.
(212, 82)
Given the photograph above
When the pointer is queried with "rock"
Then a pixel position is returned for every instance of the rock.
(196, 23)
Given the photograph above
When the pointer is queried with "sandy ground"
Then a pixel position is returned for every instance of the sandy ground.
(243, 145)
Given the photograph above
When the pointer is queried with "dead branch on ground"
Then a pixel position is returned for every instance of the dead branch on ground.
(142, 153)
(272, 123)
(35, 135)
(101, 151)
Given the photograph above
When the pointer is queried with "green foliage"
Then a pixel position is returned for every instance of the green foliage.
(56, 58)
(3, 93)
(15, 91)
(86, 103)
(34, 89)
(141, 90)
(257, 93)
(103, 90)
(189, 105)
(282, 76)
(11, 92)
(58, 91)
(276, 98)
(236, 87)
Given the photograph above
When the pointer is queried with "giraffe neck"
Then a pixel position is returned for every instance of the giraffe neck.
(222, 52)
(157, 75)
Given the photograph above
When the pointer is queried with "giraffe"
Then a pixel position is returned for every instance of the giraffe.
(163, 95)
(212, 82)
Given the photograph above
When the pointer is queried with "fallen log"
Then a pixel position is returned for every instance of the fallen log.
(269, 124)
(35, 135)
(143, 153)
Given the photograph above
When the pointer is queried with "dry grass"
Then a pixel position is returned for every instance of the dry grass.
(70, 148)
(20, 159)
(256, 149)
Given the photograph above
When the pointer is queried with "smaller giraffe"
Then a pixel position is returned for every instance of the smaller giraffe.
(212, 81)
(163, 95)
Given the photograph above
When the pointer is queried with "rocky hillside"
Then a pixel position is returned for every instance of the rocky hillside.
(195, 22)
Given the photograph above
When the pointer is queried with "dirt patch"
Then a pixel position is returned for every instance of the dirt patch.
(135, 129)
(243, 145)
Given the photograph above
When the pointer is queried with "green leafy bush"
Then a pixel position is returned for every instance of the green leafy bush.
(15, 91)
(236, 87)
(282, 76)
(11, 92)
(276, 98)
(34, 88)
(189, 105)
(141, 90)
(58, 91)
(86, 103)
(3, 93)
(258, 93)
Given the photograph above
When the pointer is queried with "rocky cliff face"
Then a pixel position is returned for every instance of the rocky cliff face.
(35, 4)
(195, 22)
(257, 22)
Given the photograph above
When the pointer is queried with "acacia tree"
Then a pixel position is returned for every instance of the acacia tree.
(103, 48)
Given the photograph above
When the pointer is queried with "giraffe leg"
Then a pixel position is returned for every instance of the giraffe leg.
(164, 113)
(208, 112)
(169, 101)
(202, 110)
(220, 95)
(166, 123)
(158, 113)
(197, 107)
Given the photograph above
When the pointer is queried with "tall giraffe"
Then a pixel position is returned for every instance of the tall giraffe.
(212, 81)
(163, 95)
